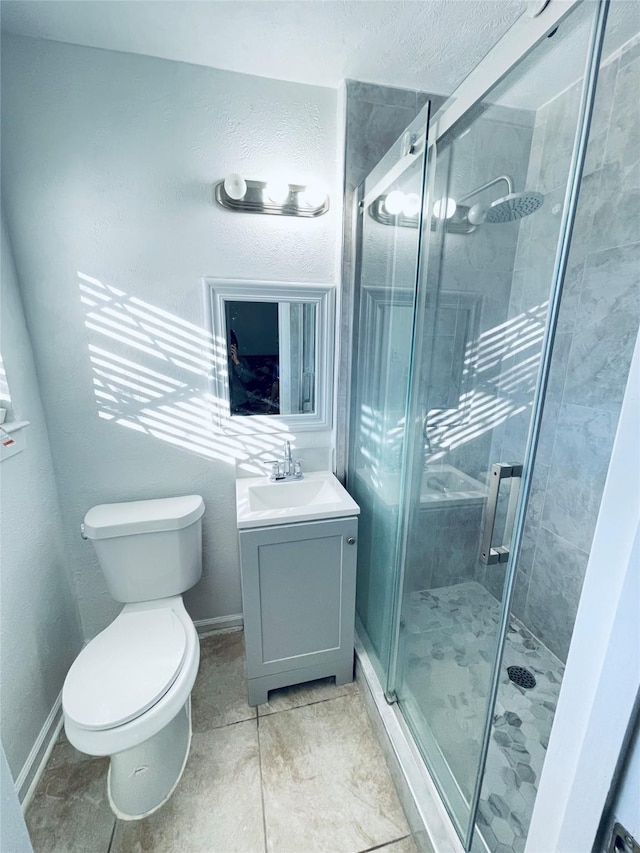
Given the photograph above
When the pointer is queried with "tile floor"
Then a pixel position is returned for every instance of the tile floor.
(451, 637)
(302, 773)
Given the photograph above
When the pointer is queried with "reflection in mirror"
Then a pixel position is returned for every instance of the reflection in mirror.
(271, 357)
(273, 363)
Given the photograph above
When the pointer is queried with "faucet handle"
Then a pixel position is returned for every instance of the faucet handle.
(275, 468)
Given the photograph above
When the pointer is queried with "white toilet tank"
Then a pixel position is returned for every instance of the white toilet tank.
(148, 549)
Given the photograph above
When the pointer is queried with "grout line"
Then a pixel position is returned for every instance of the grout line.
(113, 832)
(306, 704)
(385, 844)
(225, 725)
(264, 814)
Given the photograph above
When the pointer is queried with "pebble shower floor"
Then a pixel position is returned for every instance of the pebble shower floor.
(451, 639)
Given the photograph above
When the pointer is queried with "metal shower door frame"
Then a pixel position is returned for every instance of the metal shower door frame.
(576, 167)
(505, 56)
(507, 53)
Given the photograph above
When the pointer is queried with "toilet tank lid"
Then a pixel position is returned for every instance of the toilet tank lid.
(124, 519)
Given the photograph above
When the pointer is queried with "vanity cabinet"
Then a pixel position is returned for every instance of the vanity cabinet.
(298, 595)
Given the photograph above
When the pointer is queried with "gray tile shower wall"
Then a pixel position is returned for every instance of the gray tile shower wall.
(477, 269)
(375, 117)
(598, 325)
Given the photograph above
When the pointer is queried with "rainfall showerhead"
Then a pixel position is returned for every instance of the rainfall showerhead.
(506, 209)
(513, 206)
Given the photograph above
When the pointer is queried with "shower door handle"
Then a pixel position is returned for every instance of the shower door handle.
(489, 555)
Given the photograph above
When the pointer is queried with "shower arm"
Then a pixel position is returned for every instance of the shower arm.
(486, 186)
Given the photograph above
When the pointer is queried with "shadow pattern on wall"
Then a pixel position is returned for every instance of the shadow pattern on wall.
(152, 373)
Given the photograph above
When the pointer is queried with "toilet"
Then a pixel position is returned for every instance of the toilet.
(128, 693)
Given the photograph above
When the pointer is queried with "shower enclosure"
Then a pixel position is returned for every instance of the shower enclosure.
(465, 281)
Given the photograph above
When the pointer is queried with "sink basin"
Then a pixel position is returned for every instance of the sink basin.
(319, 495)
(441, 486)
(446, 483)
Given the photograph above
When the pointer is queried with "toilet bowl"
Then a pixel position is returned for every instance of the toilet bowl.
(127, 694)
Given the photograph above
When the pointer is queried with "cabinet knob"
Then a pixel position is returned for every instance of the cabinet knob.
(351, 540)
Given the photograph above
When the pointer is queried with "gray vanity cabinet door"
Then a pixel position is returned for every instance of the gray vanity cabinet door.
(298, 595)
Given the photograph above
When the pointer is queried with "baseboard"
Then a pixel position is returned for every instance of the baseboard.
(33, 768)
(218, 623)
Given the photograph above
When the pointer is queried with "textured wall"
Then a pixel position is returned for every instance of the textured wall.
(13, 830)
(597, 329)
(39, 626)
(108, 165)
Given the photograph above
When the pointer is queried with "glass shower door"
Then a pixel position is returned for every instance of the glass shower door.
(389, 220)
(497, 206)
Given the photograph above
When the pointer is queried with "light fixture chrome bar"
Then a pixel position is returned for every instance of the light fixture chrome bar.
(398, 169)
(255, 200)
(457, 224)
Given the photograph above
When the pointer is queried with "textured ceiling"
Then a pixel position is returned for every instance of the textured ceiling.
(427, 44)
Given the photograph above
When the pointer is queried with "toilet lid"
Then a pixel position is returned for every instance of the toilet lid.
(126, 669)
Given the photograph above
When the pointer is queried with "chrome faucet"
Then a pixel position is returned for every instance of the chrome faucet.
(288, 459)
(288, 469)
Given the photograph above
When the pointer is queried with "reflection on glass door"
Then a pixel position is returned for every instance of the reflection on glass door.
(389, 226)
(499, 195)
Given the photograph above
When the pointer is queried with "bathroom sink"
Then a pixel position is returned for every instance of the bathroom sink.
(260, 503)
(441, 486)
(446, 483)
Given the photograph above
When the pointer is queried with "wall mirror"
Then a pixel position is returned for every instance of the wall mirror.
(273, 354)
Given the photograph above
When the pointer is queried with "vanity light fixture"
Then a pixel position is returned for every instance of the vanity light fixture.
(235, 186)
(275, 197)
(400, 209)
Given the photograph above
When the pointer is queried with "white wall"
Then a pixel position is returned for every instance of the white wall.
(625, 809)
(14, 837)
(108, 166)
(602, 679)
(39, 626)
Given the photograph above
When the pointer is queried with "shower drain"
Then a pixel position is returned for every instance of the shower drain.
(521, 676)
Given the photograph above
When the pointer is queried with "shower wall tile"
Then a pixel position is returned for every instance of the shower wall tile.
(524, 237)
(602, 110)
(607, 320)
(596, 333)
(554, 591)
(515, 297)
(372, 128)
(588, 202)
(631, 52)
(559, 137)
(570, 297)
(385, 95)
(558, 370)
(579, 463)
(519, 601)
(623, 140)
(535, 157)
(616, 213)
(547, 435)
(539, 482)
(375, 118)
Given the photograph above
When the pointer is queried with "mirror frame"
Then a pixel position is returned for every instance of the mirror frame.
(222, 290)
(375, 297)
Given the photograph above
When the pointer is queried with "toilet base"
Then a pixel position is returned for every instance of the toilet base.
(142, 779)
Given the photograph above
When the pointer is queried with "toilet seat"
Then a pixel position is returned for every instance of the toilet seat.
(126, 669)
